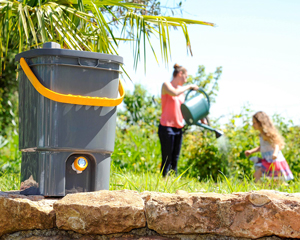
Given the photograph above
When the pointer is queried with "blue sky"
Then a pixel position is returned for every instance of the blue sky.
(256, 42)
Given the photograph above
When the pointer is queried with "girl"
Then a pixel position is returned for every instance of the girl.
(171, 121)
(273, 163)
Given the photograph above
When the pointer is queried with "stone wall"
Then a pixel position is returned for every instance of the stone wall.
(151, 215)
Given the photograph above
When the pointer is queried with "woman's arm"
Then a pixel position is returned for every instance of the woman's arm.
(167, 88)
(251, 151)
(275, 153)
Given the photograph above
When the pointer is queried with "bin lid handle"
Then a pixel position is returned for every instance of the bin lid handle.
(69, 98)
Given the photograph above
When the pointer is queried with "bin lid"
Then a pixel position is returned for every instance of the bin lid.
(53, 49)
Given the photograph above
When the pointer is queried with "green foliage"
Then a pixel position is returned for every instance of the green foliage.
(291, 134)
(150, 7)
(240, 136)
(141, 108)
(137, 149)
(202, 155)
(10, 156)
(86, 25)
(8, 94)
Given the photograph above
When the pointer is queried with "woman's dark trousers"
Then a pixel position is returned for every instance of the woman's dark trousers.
(170, 141)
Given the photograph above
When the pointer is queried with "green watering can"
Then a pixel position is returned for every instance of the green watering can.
(197, 108)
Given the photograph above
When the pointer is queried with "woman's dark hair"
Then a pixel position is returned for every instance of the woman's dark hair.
(178, 69)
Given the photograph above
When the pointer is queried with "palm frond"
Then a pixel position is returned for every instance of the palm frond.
(173, 21)
(147, 25)
(119, 3)
(23, 21)
(33, 32)
(81, 25)
(41, 24)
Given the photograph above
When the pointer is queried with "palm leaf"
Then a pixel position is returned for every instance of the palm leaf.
(41, 24)
(103, 24)
(119, 3)
(175, 21)
(56, 23)
(163, 23)
(80, 38)
(23, 21)
(33, 32)
(80, 14)
(80, 24)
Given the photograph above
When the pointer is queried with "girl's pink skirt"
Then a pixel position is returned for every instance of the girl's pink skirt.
(276, 169)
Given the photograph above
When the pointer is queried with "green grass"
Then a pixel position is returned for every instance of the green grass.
(9, 181)
(147, 181)
(155, 182)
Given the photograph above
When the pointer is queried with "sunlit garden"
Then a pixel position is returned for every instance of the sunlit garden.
(206, 164)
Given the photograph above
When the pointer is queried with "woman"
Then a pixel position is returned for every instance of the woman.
(171, 121)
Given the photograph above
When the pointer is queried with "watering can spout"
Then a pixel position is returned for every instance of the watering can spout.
(217, 132)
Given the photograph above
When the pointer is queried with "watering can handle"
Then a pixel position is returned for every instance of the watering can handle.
(200, 90)
(68, 98)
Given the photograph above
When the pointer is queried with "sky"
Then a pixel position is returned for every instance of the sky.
(257, 43)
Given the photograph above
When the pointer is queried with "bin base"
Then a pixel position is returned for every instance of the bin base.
(50, 173)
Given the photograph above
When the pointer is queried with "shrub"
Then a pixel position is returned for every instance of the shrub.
(137, 149)
(203, 156)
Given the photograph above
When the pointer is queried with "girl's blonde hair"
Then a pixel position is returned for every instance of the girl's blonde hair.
(268, 129)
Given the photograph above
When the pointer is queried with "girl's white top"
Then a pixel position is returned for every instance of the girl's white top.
(267, 151)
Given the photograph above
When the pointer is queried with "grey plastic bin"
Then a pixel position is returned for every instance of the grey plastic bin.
(54, 135)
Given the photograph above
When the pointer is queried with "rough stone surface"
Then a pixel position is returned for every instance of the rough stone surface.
(102, 212)
(19, 212)
(252, 215)
(276, 214)
(188, 213)
(120, 215)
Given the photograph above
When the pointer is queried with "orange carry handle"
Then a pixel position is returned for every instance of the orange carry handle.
(69, 98)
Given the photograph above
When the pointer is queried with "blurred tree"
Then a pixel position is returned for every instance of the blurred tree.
(141, 108)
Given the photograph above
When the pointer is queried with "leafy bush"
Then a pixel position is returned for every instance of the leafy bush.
(10, 156)
(141, 108)
(203, 156)
(240, 136)
(8, 93)
(137, 149)
(291, 134)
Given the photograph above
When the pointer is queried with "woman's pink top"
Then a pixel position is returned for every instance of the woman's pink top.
(171, 113)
